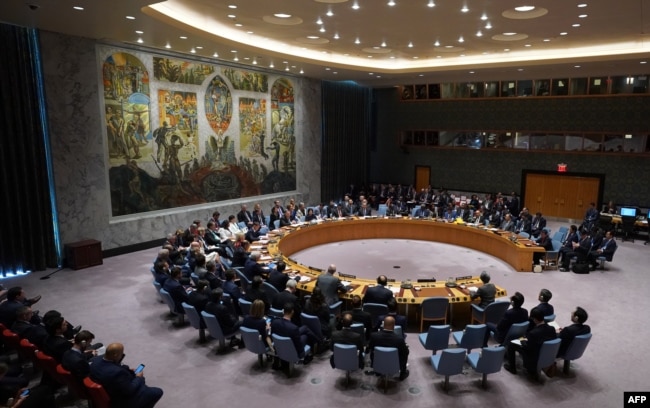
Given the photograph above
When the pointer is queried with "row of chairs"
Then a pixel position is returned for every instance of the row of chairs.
(91, 391)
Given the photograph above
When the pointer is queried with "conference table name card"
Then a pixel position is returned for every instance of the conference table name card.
(347, 276)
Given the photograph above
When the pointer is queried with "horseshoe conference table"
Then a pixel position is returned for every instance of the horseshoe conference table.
(290, 240)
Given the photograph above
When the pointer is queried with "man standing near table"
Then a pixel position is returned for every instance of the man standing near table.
(330, 285)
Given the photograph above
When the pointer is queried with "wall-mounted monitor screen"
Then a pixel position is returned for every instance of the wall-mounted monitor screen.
(628, 212)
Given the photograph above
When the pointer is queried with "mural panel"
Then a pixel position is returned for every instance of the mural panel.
(182, 150)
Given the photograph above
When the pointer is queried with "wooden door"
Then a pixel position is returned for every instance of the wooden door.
(563, 196)
(422, 177)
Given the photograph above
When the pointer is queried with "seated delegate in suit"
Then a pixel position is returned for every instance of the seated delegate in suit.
(257, 321)
(387, 338)
(544, 297)
(299, 335)
(330, 285)
(606, 249)
(316, 306)
(23, 327)
(199, 297)
(277, 277)
(568, 333)
(310, 215)
(176, 290)
(76, 358)
(255, 292)
(16, 299)
(359, 316)
(516, 314)
(537, 225)
(507, 224)
(230, 287)
(422, 212)
(254, 232)
(224, 313)
(252, 268)
(245, 216)
(544, 242)
(285, 220)
(567, 245)
(486, 292)
(288, 296)
(400, 320)
(347, 336)
(531, 345)
(56, 344)
(580, 251)
(378, 293)
(124, 388)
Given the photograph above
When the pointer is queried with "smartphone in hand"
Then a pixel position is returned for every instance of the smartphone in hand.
(139, 369)
(25, 392)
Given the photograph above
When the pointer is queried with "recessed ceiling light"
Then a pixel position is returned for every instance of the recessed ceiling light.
(271, 65)
(576, 66)
(168, 45)
(322, 29)
(335, 72)
(369, 56)
(246, 58)
(336, 36)
(575, 25)
(139, 32)
(319, 21)
(437, 43)
(355, 6)
(378, 76)
(461, 39)
(357, 41)
(449, 46)
(527, 45)
(216, 55)
(525, 8)
(582, 5)
(254, 62)
(198, 47)
(238, 25)
(520, 69)
(327, 68)
(391, 3)
(78, 8)
(236, 58)
(488, 26)
(383, 43)
(329, 13)
(431, 4)
(130, 18)
(301, 71)
(282, 15)
(509, 33)
(563, 33)
(583, 16)
(182, 37)
(471, 72)
(506, 49)
(484, 17)
(140, 41)
(193, 51)
(479, 33)
(643, 62)
(421, 75)
(313, 37)
(232, 6)
(233, 51)
(416, 57)
(465, 9)
(249, 32)
(410, 45)
(232, 16)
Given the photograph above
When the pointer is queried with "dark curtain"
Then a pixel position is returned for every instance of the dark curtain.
(346, 137)
(27, 238)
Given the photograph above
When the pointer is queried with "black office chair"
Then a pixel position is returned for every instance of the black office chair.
(605, 223)
(627, 223)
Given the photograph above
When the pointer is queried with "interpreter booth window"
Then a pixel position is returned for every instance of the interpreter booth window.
(539, 141)
(542, 87)
(434, 91)
(629, 84)
(521, 141)
(598, 85)
(578, 86)
(420, 92)
(560, 87)
(499, 140)
(407, 138)
(508, 88)
(592, 143)
(419, 138)
(555, 142)
(470, 89)
(448, 90)
(627, 143)
(432, 138)
(525, 87)
(491, 89)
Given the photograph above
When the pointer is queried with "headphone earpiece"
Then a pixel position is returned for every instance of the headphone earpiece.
(83, 343)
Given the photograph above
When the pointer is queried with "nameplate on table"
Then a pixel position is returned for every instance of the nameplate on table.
(463, 277)
(347, 276)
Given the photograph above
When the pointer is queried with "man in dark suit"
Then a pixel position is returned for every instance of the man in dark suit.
(387, 338)
(223, 312)
(256, 292)
(277, 277)
(245, 216)
(16, 299)
(567, 334)
(75, 359)
(400, 320)
(288, 296)
(359, 316)
(606, 249)
(299, 335)
(378, 293)
(253, 234)
(199, 296)
(531, 345)
(176, 290)
(231, 288)
(537, 225)
(252, 268)
(487, 292)
(56, 344)
(567, 245)
(23, 327)
(516, 314)
(330, 285)
(422, 212)
(347, 336)
(580, 250)
(544, 242)
(124, 388)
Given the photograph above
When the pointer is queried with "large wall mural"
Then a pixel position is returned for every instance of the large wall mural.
(212, 133)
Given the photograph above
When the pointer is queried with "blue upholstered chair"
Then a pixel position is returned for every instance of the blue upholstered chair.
(488, 361)
(276, 224)
(470, 338)
(195, 320)
(437, 338)
(285, 350)
(492, 312)
(313, 323)
(243, 280)
(245, 306)
(270, 289)
(195, 278)
(346, 358)
(214, 328)
(359, 328)
(254, 343)
(549, 318)
(375, 310)
(551, 257)
(515, 331)
(276, 312)
(158, 286)
(449, 362)
(575, 350)
(385, 362)
(335, 308)
(547, 355)
(434, 309)
(167, 299)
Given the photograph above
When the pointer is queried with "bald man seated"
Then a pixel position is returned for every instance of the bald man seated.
(125, 388)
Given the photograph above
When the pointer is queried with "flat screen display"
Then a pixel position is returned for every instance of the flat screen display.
(628, 212)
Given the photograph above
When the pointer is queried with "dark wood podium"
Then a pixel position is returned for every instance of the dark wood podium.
(83, 254)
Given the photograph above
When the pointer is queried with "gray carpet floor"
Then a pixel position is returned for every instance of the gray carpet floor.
(117, 302)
